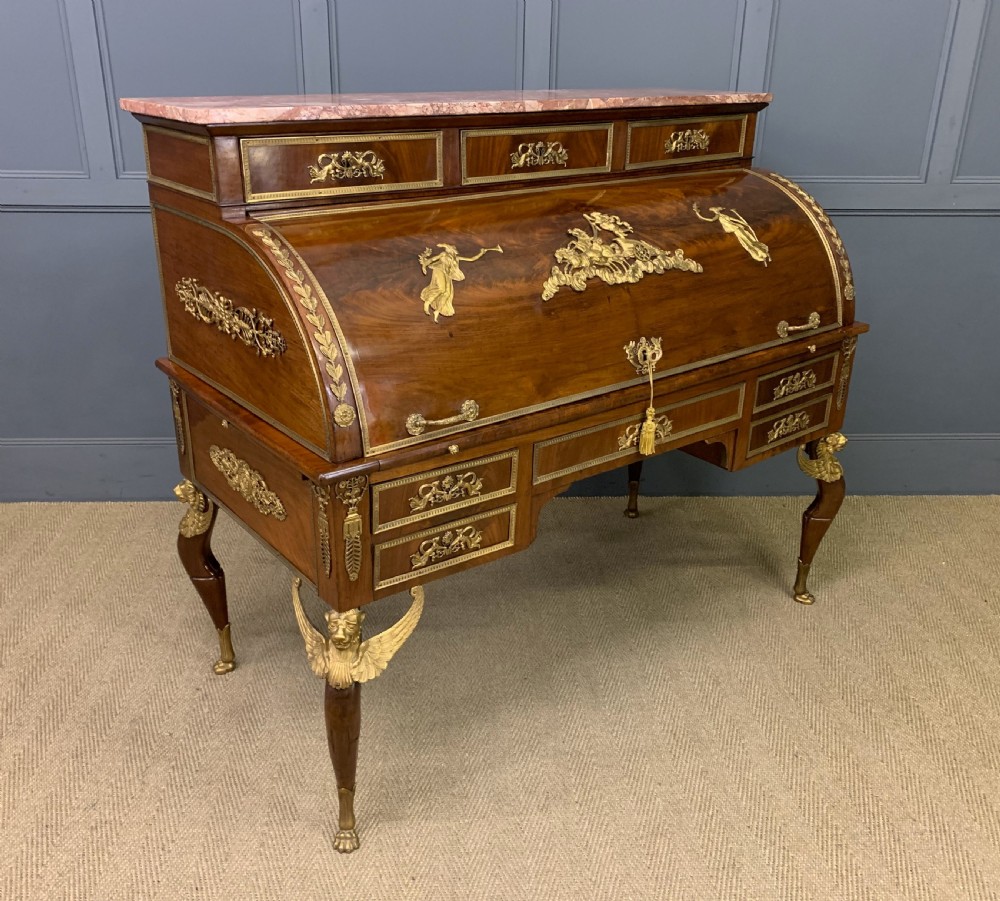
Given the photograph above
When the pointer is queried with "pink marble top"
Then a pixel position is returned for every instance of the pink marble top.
(299, 107)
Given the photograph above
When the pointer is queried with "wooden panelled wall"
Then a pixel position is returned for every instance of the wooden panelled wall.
(887, 110)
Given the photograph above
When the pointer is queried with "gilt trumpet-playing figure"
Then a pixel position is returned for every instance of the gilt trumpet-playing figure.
(734, 224)
(439, 295)
(343, 658)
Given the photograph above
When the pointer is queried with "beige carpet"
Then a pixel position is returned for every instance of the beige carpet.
(628, 710)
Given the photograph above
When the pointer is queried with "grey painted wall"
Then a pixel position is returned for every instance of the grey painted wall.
(886, 110)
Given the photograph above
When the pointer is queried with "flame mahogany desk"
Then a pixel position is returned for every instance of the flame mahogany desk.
(399, 325)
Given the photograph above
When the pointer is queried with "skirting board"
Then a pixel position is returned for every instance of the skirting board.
(140, 469)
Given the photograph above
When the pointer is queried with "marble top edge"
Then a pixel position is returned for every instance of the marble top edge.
(305, 107)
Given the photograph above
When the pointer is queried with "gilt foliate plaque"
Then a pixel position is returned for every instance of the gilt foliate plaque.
(618, 261)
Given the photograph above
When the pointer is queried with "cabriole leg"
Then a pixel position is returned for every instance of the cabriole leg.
(195, 550)
(634, 474)
(817, 459)
(342, 707)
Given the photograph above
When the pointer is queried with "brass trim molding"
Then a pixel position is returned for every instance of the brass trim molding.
(445, 564)
(603, 168)
(254, 329)
(247, 482)
(252, 196)
(621, 261)
(678, 161)
(443, 473)
(344, 413)
(349, 493)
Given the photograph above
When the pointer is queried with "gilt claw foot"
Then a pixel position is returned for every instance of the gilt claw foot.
(221, 667)
(346, 841)
(805, 597)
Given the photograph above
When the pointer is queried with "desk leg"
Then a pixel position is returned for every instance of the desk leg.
(817, 459)
(194, 546)
(342, 707)
(634, 474)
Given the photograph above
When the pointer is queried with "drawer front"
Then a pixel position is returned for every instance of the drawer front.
(617, 439)
(670, 142)
(269, 496)
(786, 426)
(286, 168)
(402, 502)
(515, 154)
(805, 376)
(447, 545)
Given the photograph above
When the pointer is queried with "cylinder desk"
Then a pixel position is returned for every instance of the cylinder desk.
(398, 325)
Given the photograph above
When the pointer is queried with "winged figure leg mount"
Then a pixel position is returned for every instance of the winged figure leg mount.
(345, 661)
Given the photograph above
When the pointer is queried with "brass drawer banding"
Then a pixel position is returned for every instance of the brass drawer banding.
(491, 155)
(450, 544)
(428, 494)
(291, 167)
(784, 427)
(659, 143)
(726, 406)
(775, 388)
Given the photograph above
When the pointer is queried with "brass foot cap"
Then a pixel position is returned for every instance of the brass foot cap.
(805, 597)
(222, 667)
(346, 841)
(632, 514)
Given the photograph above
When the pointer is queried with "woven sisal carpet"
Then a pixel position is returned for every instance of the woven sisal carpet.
(628, 710)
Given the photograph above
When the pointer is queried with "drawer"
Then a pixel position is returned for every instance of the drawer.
(618, 438)
(415, 498)
(785, 426)
(269, 496)
(290, 167)
(807, 375)
(670, 142)
(447, 545)
(514, 154)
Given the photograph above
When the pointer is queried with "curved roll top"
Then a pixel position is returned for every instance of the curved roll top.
(455, 312)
